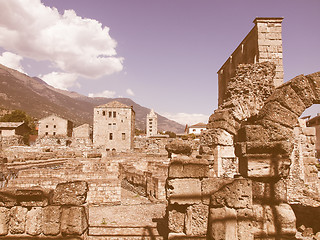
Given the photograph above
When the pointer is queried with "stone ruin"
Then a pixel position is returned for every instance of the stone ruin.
(256, 174)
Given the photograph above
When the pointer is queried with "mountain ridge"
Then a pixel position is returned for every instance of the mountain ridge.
(38, 99)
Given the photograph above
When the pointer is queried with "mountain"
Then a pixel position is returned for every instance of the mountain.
(38, 99)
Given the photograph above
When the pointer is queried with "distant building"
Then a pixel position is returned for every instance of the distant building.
(315, 122)
(55, 126)
(196, 128)
(11, 129)
(113, 126)
(82, 135)
(152, 124)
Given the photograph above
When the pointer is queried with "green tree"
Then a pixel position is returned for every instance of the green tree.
(171, 134)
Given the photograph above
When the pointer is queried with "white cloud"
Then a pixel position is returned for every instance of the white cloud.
(106, 94)
(74, 44)
(60, 80)
(12, 60)
(187, 118)
(130, 92)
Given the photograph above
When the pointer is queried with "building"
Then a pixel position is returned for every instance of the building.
(152, 124)
(113, 126)
(196, 128)
(11, 129)
(315, 122)
(55, 126)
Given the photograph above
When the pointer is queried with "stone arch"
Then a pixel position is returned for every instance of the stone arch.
(265, 142)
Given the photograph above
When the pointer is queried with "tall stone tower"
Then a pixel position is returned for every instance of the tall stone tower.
(152, 124)
(113, 126)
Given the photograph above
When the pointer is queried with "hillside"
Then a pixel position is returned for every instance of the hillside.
(38, 99)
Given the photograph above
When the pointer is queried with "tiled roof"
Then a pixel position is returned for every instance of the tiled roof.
(10, 124)
(114, 104)
(198, 125)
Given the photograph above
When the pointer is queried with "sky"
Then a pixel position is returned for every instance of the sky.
(163, 54)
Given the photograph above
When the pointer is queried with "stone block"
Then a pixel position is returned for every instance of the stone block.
(285, 219)
(176, 216)
(51, 216)
(197, 220)
(34, 221)
(224, 115)
(188, 168)
(33, 197)
(4, 221)
(273, 191)
(184, 191)
(8, 197)
(70, 193)
(211, 185)
(222, 224)
(276, 131)
(17, 222)
(283, 148)
(288, 98)
(223, 125)
(237, 194)
(244, 224)
(300, 84)
(73, 220)
(178, 148)
(263, 220)
(251, 133)
(273, 111)
(309, 131)
(314, 80)
(264, 166)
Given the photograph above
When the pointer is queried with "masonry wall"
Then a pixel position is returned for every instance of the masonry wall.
(263, 43)
(113, 132)
(54, 126)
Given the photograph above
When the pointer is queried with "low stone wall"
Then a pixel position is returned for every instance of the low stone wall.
(36, 213)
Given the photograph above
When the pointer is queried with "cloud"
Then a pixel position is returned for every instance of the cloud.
(187, 118)
(60, 80)
(12, 60)
(74, 44)
(106, 94)
(130, 92)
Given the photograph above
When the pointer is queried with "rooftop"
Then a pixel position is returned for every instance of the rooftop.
(114, 104)
(10, 124)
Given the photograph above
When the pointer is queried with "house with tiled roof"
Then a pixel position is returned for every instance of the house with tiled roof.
(10, 129)
(196, 128)
(113, 126)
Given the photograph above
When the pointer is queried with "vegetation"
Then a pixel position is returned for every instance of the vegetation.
(21, 116)
(138, 132)
(171, 134)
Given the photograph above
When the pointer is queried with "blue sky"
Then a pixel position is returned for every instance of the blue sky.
(162, 54)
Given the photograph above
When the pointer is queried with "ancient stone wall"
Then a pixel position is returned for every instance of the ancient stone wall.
(36, 213)
(263, 43)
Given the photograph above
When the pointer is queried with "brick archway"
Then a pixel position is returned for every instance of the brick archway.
(265, 143)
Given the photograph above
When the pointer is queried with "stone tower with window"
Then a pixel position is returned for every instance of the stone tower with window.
(113, 126)
(152, 124)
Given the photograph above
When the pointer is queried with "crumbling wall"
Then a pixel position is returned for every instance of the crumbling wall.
(32, 213)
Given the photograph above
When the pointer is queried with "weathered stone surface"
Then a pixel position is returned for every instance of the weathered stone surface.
(263, 223)
(184, 191)
(288, 98)
(223, 125)
(252, 133)
(178, 148)
(4, 220)
(73, 220)
(237, 194)
(222, 224)
(18, 220)
(197, 220)
(224, 115)
(264, 166)
(273, 111)
(282, 148)
(285, 219)
(213, 137)
(8, 197)
(70, 193)
(32, 197)
(309, 131)
(184, 168)
(273, 191)
(276, 131)
(176, 218)
(314, 80)
(244, 224)
(51, 220)
(211, 185)
(300, 84)
(34, 221)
